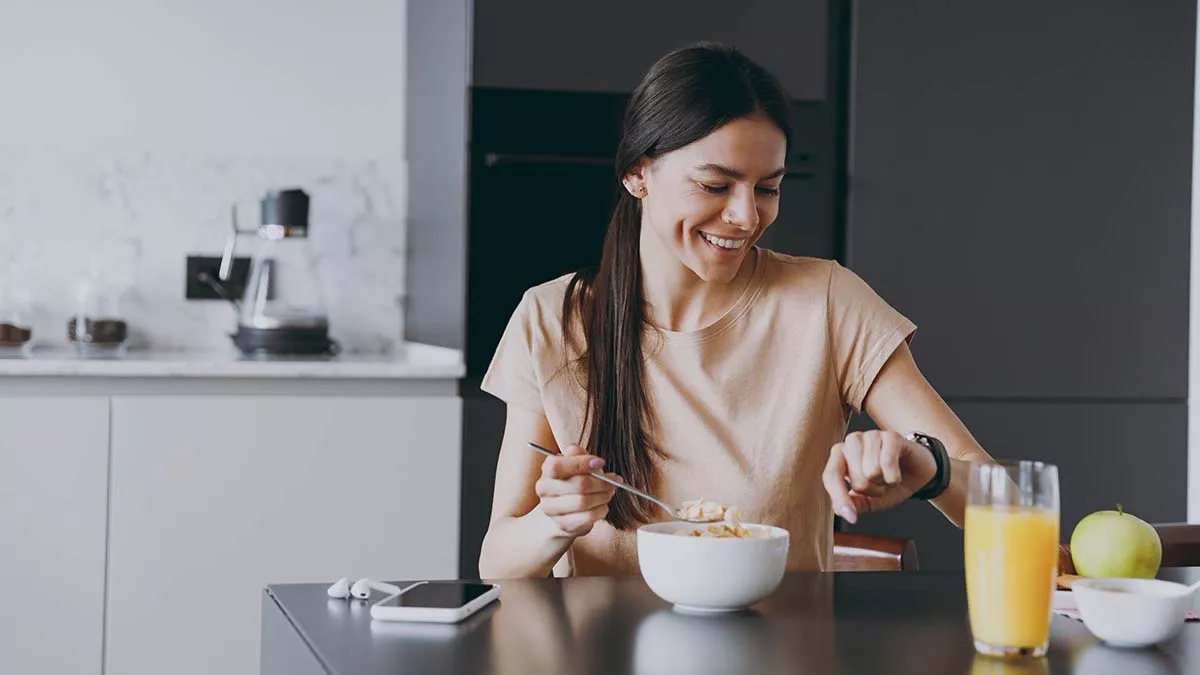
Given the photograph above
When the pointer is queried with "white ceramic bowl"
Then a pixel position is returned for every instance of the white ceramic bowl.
(1132, 612)
(706, 574)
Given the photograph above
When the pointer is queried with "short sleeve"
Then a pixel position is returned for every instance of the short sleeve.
(864, 332)
(512, 377)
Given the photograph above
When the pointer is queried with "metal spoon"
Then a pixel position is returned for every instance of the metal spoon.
(599, 476)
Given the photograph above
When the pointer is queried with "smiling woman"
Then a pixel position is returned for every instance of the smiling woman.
(693, 362)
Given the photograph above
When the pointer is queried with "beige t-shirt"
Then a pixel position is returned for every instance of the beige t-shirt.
(747, 408)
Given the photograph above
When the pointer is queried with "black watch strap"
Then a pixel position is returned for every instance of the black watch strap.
(941, 479)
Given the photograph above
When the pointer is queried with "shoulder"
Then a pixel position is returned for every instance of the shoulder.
(828, 278)
(541, 305)
(799, 275)
(540, 315)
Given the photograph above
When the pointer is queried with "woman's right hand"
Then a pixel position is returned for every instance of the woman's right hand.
(573, 499)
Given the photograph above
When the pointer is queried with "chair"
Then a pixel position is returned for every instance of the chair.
(854, 552)
(1180, 547)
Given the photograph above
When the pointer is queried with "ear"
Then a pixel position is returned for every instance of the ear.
(635, 178)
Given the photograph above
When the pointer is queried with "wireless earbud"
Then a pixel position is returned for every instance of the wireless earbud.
(361, 589)
(340, 588)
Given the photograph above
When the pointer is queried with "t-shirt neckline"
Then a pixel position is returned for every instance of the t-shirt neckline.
(731, 315)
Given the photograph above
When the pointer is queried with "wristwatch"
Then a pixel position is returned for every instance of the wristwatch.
(941, 479)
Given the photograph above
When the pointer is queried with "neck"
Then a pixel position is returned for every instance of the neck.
(677, 299)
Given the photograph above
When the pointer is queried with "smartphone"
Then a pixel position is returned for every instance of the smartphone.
(436, 601)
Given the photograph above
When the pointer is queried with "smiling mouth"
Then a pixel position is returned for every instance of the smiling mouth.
(724, 244)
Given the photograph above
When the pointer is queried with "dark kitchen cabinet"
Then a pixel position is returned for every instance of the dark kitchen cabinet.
(606, 46)
(1020, 186)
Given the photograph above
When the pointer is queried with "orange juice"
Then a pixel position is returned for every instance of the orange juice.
(1011, 564)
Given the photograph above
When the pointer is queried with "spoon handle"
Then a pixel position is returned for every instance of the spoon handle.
(606, 479)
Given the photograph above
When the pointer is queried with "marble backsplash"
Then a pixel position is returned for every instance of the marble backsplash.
(131, 219)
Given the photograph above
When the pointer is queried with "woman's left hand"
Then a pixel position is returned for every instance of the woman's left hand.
(883, 469)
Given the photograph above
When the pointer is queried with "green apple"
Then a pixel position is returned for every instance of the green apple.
(1115, 544)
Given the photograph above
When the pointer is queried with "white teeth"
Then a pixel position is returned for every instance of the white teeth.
(732, 244)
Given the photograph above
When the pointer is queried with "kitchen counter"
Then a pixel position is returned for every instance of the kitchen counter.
(413, 361)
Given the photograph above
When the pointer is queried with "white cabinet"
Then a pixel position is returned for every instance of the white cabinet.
(214, 497)
(53, 490)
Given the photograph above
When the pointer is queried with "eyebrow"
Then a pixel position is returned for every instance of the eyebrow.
(738, 175)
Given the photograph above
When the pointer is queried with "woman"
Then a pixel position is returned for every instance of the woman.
(694, 364)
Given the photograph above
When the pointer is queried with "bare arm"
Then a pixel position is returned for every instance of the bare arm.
(540, 505)
(902, 400)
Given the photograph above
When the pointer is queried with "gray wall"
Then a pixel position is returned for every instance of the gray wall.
(1020, 187)
(607, 46)
(438, 63)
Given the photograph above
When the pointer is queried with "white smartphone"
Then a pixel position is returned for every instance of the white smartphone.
(436, 601)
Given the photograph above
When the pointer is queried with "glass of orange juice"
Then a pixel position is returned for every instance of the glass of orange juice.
(1011, 548)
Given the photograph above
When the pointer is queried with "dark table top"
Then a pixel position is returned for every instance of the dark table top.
(827, 624)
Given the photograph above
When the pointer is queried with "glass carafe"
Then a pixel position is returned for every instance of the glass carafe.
(281, 310)
(282, 289)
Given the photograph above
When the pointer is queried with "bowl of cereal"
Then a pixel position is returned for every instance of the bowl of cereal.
(719, 566)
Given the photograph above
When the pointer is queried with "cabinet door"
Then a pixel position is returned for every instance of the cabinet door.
(53, 492)
(607, 46)
(1128, 453)
(1022, 189)
(214, 497)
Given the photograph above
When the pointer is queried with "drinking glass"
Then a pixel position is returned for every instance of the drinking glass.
(1011, 548)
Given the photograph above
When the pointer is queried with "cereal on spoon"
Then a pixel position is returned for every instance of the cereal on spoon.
(726, 519)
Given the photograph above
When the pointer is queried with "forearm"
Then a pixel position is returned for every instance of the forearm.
(527, 546)
(953, 502)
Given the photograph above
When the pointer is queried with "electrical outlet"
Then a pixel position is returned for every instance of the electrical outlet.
(197, 289)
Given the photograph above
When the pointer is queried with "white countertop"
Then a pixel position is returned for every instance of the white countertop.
(412, 361)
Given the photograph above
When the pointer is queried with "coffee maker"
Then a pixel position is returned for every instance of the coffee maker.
(281, 311)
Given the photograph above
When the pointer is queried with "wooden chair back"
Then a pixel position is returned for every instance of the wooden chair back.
(853, 552)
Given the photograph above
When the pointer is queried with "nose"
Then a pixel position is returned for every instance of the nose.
(742, 212)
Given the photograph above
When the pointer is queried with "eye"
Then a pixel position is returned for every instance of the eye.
(714, 189)
(768, 191)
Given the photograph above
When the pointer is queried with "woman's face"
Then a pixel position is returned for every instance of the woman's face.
(710, 201)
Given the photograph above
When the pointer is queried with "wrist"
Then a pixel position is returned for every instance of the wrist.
(936, 465)
(549, 528)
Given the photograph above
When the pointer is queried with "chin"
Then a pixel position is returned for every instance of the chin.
(715, 271)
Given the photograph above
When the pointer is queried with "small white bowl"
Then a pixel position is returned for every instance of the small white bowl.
(1132, 612)
(708, 574)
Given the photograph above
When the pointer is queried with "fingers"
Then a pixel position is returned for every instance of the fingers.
(570, 504)
(579, 524)
(869, 462)
(552, 487)
(569, 495)
(866, 455)
(834, 478)
(889, 458)
(573, 461)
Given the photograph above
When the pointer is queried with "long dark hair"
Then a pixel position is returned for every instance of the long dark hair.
(686, 95)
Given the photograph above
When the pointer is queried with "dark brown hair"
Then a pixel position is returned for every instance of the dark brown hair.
(686, 95)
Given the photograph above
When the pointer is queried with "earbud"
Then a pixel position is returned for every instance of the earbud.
(361, 589)
(340, 588)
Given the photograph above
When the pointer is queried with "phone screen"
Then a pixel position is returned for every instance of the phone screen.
(438, 595)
